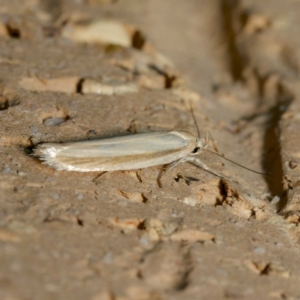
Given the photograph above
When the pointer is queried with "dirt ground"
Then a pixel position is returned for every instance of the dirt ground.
(74, 70)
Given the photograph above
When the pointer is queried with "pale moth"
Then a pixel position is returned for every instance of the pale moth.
(130, 152)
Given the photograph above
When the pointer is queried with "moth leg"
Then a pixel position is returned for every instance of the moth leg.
(100, 175)
(168, 168)
(198, 163)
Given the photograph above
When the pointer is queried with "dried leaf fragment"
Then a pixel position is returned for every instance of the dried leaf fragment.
(113, 87)
(107, 32)
(127, 224)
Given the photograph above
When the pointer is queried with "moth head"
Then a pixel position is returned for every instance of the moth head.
(201, 144)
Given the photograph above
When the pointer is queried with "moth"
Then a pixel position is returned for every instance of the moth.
(130, 152)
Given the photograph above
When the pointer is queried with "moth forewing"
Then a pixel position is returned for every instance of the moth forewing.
(119, 153)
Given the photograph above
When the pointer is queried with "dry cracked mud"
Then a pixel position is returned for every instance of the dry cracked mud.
(87, 69)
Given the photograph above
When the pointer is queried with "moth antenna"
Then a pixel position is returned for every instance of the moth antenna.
(213, 143)
(194, 118)
(233, 162)
(207, 138)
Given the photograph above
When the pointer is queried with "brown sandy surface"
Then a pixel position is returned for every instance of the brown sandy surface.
(65, 235)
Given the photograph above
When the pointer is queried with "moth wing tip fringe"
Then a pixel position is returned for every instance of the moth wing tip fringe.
(47, 153)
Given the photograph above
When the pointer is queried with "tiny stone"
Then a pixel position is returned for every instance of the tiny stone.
(293, 164)
(79, 196)
(122, 203)
(275, 200)
(35, 132)
(190, 201)
(239, 224)
(5, 170)
(174, 213)
(21, 173)
(55, 196)
(259, 250)
(55, 121)
(108, 258)
(144, 240)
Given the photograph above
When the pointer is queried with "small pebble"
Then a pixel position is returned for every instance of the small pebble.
(144, 240)
(5, 170)
(259, 250)
(79, 196)
(21, 173)
(55, 196)
(275, 200)
(54, 121)
(239, 224)
(293, 164)
(108, 258)
(34, 131)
